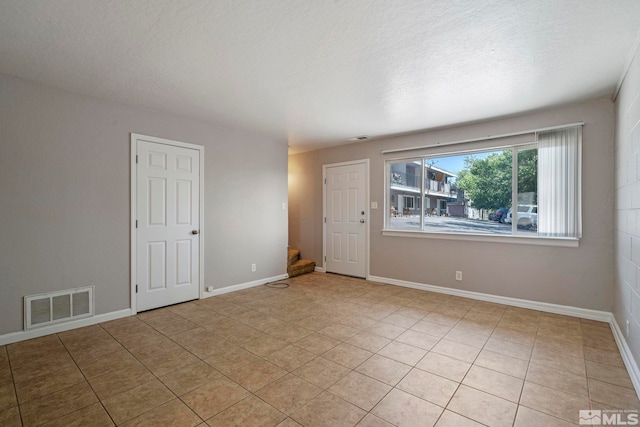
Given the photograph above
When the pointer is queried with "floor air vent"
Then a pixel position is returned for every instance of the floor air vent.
(57, 307)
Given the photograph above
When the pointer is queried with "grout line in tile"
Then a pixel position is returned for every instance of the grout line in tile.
(271, 314)
(13, 383)
(87, 380)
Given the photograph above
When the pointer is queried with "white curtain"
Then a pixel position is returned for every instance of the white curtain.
(559, 182)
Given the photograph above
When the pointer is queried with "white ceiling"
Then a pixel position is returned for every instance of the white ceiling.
(317, 72)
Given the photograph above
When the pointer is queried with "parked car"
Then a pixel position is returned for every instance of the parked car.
(498, 215)
(527, 217)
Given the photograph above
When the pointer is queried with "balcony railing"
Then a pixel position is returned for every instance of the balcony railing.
(441, 187)
(431, 185)
(407, 180)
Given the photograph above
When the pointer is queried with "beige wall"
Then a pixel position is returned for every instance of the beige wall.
(65, 196)
(580, 277)
(627, 208)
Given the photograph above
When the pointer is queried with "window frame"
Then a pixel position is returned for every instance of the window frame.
(516, 236)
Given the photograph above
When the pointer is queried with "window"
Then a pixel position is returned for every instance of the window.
(529, 189)
(408, 202)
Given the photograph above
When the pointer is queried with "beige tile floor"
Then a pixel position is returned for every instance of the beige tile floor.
(326, 351)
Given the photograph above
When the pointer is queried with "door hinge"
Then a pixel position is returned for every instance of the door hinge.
(136, 158)
(136, 289)
(136, 223)
(325, 219)
(325, 181)
(325, 258)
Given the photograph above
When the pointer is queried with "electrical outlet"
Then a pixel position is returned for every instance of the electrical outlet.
(253, 267)
(458, 275)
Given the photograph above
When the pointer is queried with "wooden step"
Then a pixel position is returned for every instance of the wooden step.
(302, 266)
(293, 255)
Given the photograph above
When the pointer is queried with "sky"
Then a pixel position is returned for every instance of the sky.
(455, 163)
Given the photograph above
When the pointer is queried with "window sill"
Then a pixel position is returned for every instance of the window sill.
(566, 242)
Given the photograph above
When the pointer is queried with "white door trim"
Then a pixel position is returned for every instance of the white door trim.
(367, 210)
(134, 178)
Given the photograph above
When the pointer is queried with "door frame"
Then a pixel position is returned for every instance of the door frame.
(367, 211)
(134, 212)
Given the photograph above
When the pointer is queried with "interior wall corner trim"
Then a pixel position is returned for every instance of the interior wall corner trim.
(627, 356)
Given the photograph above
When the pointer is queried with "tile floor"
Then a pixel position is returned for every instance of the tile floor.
(326, 351)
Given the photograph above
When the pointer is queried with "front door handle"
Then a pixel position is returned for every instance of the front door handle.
(194, 232)
(362, 221)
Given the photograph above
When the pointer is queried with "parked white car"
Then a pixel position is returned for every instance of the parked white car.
(527, 217)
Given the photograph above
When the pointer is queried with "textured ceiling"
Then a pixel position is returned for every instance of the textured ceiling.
(317, 72)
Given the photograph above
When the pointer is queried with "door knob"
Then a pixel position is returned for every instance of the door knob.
(194, 232)
(362, 221)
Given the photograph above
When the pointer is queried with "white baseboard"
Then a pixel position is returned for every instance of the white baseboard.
(62, 327)
(627, 356)
(602, 316)
(241, 286)
(320, 269)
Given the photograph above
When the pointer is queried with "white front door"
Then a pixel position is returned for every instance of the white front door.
(346, 218)
(168, 221)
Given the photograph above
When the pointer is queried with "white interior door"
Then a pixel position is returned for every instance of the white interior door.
(168, 221)
(346, 220)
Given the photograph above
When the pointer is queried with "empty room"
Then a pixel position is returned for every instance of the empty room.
(319, 213)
